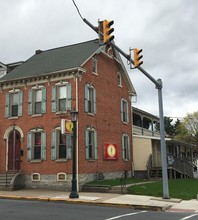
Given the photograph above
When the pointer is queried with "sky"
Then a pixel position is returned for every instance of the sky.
(166, 31)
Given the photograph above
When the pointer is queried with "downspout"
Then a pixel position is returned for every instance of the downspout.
(132, 163)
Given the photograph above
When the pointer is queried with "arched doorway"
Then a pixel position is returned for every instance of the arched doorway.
(14, 150)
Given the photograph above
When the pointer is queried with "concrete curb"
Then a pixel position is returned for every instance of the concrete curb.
(88, 202)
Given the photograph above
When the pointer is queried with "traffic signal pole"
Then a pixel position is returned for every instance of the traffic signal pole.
(158, 84)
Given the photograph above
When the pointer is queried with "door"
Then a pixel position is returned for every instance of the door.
(14, 151)
(156, 153)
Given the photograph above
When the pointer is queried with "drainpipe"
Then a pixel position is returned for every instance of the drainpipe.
(132, 159)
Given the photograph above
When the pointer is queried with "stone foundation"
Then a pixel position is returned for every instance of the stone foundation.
(57, 182)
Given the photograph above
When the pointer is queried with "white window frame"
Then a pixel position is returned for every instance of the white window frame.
(32, 101)
(125, 147)
(55, 145)
(55, 97)
(94, 65)
(91, 143)
(8, 103)
(30, 145)
(124, 110)
(90, 99)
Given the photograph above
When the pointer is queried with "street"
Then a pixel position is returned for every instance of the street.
(39, 210)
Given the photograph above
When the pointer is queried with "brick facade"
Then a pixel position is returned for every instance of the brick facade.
(106, 121)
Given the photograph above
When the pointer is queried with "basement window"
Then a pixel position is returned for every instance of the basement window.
(35, 177)
(61, 177)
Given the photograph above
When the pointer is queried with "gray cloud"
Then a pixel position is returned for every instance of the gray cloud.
(166, 30)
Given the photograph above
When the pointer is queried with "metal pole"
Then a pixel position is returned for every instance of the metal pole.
(158, 84)
(74, 193)
(163, 143)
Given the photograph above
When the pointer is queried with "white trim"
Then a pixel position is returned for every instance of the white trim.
(150, 137)
(61, 83)
(14, 90)
(5, 137)
(37, 179)
(8, 130)
(38, 87)
(61, 179)
(37, 130)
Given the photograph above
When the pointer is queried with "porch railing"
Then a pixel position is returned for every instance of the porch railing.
(180, 165)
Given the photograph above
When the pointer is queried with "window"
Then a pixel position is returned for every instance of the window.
(90, 99)
(37, 101)
(13, 105)
(124, 111)
(125, 147)
(61, 97)
(91, 144)
(61, 145)
(94, 65)
(36, 147)
(119, 79)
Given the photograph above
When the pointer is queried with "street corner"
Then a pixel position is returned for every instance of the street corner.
(81, 199)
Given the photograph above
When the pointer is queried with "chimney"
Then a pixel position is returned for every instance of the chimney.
(38, 51)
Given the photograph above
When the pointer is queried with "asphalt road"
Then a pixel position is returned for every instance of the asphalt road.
(39, 210)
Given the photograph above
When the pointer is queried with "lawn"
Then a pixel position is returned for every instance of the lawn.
(115, 182)
(180, 188)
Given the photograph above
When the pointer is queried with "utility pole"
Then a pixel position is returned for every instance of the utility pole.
(158, 84)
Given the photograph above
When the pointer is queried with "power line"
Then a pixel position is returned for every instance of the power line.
(77, 9)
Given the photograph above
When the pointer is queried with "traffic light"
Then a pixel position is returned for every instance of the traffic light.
(137, 57)
(107, 30)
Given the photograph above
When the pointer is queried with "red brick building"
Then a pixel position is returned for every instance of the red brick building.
(43, 90)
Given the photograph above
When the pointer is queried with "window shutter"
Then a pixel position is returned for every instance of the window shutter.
(69, 98)
(123, 157)
(94, 100)
(7, 105)
(69, 146)
(87, 144)
(54, 99)
(127, 112)
(20, 107)
(43, 145)
(129, 149)
(95, 145)
(29, 146)
(30, 102)
(86, 97)
(54, 145)
(43, 107)
(121, 109)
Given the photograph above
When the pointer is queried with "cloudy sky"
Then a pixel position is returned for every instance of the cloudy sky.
(166, 30)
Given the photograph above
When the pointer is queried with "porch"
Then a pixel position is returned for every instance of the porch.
(180, 161)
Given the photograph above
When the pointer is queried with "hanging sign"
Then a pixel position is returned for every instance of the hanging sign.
(110, 151)
(66, 126)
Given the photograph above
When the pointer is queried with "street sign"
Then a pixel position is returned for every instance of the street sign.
(66, 126)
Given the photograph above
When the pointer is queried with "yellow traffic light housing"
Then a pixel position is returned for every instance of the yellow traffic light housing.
(137, 57)
(107, 30)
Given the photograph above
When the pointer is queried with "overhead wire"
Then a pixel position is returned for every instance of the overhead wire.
(77, 9)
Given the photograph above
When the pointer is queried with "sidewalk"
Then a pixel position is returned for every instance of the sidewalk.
(106, 199)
